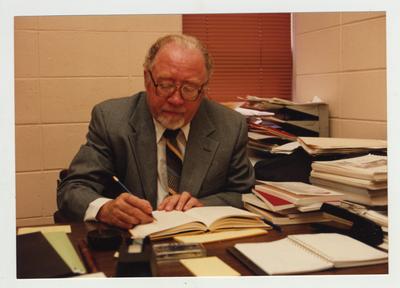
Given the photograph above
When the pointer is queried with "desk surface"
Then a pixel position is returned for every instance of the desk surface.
(107, 263)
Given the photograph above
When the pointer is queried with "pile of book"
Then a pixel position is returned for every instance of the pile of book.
(286, 203)
(361, 179)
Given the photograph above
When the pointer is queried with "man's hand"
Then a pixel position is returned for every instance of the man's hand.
(125, 211)
(181, 202)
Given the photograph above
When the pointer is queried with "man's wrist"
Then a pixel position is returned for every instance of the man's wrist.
(94, 208)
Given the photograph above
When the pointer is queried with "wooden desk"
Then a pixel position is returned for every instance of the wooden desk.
(107, 263)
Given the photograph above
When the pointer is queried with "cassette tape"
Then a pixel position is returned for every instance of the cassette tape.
(175, 251)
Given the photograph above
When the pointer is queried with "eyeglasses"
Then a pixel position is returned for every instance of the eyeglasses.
(165, 89)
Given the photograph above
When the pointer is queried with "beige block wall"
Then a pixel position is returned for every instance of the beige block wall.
(64, 65)
(341, 58)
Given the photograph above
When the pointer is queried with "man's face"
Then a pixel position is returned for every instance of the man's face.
(178, 65)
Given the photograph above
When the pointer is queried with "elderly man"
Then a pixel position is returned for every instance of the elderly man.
(170, 147)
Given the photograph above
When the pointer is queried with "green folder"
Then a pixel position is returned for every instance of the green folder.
(64, 248)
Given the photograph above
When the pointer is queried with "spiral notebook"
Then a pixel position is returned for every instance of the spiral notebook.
(303, 253)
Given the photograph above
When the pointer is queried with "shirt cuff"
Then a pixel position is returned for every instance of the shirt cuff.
(93, 208)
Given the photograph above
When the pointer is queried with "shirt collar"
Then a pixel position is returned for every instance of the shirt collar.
(160, 130)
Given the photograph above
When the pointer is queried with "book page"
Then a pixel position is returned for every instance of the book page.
(342, 250)
(163, 220)
(208, 215)
(282, 257)
(219, 236)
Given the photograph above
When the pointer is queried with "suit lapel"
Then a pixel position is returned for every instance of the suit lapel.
(200, 151)
(144, 149)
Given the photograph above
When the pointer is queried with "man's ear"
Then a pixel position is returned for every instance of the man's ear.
(204, 91)
(146, 78)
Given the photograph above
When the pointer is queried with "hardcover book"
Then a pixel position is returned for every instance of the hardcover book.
(289, 219)
(298, 193)
(272, 202)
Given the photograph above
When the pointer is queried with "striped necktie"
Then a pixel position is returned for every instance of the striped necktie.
(174, 160)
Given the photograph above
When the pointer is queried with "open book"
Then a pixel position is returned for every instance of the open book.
(304, 253)
(197, 220)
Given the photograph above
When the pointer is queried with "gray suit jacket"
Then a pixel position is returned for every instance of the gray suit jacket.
(121, 141)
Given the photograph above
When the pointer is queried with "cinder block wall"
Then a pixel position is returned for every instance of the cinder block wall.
(63, 66)
(66, 64)
(341, 58)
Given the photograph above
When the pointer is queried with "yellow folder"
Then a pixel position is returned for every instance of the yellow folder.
(64, 248)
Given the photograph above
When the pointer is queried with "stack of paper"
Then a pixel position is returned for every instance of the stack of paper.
(361, 179)
(326, 145)
(268, 127)
(283, 119)
(264, 142)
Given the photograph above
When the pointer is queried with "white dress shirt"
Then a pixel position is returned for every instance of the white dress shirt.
(162, 181)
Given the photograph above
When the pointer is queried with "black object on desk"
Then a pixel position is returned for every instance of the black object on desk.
(361, 229)
(134, 263)
(104, 239)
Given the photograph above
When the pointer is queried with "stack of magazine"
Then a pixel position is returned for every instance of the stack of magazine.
(286, 203)
(361, 179)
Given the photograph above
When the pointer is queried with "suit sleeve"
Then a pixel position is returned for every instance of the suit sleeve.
(240, 177)
(89, 172)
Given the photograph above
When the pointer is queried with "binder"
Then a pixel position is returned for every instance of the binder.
(36, 258)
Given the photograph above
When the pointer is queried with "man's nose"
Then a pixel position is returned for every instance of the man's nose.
(176, 98)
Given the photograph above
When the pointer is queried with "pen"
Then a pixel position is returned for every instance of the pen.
(87, 256)
(120, 183)
(115, 178)
(274, 226)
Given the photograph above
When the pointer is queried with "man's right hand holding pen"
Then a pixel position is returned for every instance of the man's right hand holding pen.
(126, 211)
